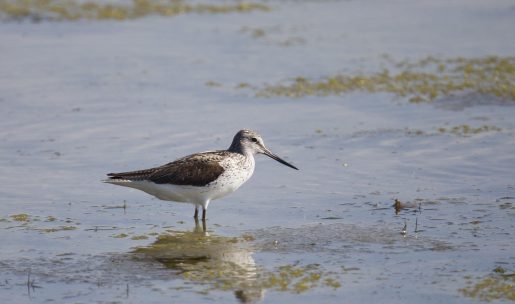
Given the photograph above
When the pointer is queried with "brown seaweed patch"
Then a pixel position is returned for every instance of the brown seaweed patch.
(22, 217)
(213, 84)
(139, 237)
(50, 218)
(120, 235)
(47, 224)
(424, 80)
(96, 10)
(466, 130)
(299, 279)
(56, 229)
(244, 85)
(275, 35)
(499, 285)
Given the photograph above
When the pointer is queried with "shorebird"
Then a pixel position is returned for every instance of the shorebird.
(202, 177)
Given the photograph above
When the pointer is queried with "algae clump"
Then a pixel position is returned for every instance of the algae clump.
(22, 217)
(56, 229)
(120, 235)
(496, 286)
(420, 81)
(70, 10)
(466, 130)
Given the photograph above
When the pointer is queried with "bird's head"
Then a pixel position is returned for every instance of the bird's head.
(248, 141)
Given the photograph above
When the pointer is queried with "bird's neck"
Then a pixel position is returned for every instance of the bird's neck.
(237, 147)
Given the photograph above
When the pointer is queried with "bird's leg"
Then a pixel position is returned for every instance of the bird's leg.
(204, 225)
(195, 216)
(203, 214)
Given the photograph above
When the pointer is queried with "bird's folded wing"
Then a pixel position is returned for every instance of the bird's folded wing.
(187, 172)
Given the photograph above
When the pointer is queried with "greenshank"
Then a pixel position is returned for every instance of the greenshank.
(202, 177)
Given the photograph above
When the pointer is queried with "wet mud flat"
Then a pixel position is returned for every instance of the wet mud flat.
(318, 261)
(405, 248)
(402, 129)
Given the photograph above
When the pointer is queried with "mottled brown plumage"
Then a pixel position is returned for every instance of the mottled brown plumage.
(193, 170)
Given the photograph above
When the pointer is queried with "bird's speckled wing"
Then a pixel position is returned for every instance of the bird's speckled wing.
(194, 170)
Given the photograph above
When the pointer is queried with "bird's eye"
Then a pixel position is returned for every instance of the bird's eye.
(253, 139)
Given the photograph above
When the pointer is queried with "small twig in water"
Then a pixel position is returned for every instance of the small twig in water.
(31, 283)
(100, 228)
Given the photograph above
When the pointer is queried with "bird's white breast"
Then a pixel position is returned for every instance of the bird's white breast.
(237, 170)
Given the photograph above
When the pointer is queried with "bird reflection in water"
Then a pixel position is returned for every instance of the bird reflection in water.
(219, 262)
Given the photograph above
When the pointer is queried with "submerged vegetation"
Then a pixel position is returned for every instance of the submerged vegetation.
(466, 130)
(499, 285)
(22, 217)
(424, 80)
(226, 263)
(48, 224)
(37, 10)
(56, 229)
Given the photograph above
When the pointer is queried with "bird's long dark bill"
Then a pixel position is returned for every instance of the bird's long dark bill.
(277, 158)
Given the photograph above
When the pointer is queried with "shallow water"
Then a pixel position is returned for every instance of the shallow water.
(81, 99)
